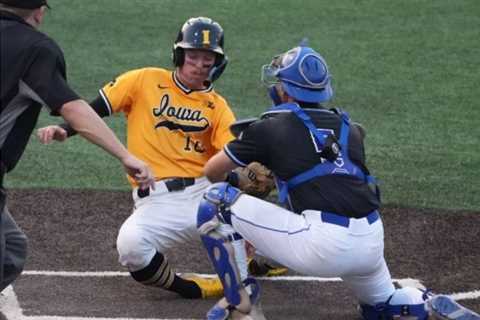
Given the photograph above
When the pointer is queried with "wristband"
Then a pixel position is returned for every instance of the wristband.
(232, 179)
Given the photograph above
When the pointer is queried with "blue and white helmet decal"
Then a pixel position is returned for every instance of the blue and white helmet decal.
(303, 73)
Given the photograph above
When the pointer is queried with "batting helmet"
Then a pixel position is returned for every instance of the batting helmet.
(303, 74)
(204, 34)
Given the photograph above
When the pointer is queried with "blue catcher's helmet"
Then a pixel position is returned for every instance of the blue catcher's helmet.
(303, 74)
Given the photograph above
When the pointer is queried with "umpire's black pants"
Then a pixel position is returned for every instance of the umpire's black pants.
(13, 246)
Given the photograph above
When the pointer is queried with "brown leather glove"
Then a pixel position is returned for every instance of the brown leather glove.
(255, 179)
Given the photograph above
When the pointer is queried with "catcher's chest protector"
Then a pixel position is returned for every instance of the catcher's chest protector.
(336, 162)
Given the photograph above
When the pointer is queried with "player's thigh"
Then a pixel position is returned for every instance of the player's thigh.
(374, 287)
(272, 230)
(161, 224)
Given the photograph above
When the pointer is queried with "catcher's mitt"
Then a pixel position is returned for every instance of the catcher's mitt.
(255, 179)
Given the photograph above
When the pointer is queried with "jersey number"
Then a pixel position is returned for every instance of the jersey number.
(196, 145)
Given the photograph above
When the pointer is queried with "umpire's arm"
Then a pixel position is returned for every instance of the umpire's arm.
(64, 130)
(98, 105)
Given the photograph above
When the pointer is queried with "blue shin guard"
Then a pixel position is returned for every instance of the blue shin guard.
(221, 254)
(218, 312)
(212, 212)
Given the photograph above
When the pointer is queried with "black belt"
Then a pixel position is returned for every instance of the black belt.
(175, 184)
(178, 184)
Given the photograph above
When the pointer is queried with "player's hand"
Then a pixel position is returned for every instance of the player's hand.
(139, 171)
(49, 133)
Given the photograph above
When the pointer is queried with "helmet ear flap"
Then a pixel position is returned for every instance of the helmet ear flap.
(218, 68)
(178, 56)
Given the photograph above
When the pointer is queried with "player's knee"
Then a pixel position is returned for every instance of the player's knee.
(215, 206)
(207, 219)
(405, 302)
(17, 253)
(132, 251)
(21, 246)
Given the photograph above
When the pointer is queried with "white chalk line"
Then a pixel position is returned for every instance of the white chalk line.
(107, 274)
(92, 318)
(405, 282)
(11, 308)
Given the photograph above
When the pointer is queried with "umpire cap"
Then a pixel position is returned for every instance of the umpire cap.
(25, 4)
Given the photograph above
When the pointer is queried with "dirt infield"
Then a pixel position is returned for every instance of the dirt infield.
(76, 231)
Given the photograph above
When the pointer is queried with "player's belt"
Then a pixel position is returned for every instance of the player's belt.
(343, 221)
(175, 184)
(178, 184)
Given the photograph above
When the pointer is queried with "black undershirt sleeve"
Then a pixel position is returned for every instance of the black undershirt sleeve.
(251, 145)
(46, 76)
(98, 105)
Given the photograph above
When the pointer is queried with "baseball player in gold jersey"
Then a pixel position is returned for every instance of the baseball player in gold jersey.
(175, 123)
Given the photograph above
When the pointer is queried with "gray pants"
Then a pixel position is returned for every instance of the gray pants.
(13, 246)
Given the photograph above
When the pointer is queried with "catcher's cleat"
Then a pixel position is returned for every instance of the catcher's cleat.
(210, 287)
(263, 269)
(445, 308)
(218, 313)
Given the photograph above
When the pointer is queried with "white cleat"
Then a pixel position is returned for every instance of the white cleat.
(445, 308)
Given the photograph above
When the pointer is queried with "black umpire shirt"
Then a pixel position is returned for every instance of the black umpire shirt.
(282, 143)
(32, 74)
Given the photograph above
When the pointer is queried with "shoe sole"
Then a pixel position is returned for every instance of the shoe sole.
(276, 272)
(445, 308)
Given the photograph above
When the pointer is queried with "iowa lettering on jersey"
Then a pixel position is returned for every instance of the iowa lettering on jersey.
(179, 117)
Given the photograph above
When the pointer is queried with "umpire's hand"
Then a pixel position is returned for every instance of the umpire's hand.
(139, 170)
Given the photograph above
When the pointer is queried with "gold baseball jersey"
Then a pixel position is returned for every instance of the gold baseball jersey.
(172, 128)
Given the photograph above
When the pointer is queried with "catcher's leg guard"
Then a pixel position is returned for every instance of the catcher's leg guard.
(218, 312)
(216, 202)
(405, 302)
(212, 212)
(253, 289)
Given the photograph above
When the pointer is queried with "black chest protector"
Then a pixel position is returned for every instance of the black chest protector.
(334, 159)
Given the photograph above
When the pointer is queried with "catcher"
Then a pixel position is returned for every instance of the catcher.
(330, 225)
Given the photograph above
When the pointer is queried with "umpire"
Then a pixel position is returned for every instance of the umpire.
(33, 74)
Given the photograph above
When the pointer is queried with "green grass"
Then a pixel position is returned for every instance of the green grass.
(405, 69)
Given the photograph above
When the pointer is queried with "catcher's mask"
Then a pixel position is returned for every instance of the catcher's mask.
(204, 34)
(303, 74)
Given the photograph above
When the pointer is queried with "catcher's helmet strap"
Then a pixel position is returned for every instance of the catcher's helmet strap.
(329, 154)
